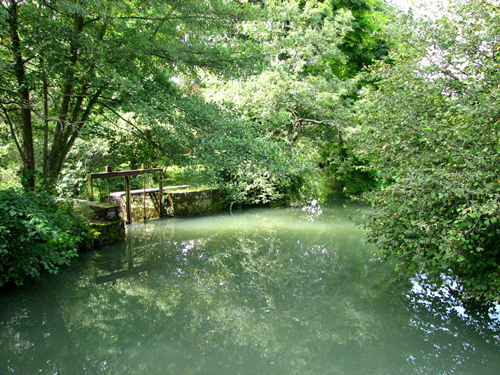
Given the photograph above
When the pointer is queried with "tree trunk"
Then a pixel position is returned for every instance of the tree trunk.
(24, 101)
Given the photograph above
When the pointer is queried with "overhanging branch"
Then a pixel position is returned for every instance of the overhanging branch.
(146, 137)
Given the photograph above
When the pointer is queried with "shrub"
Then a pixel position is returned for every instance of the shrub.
(36, 233)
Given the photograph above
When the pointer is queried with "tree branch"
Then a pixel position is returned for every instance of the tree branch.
(13, 132)
(146, 137)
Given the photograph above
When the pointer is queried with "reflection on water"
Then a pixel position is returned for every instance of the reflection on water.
(264, 291)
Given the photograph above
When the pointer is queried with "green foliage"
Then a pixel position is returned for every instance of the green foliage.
(8, 176)
(297, 94)
(364, 44)
(296, 105)
(345, 167)
(254, 185)
(77, 63)
(176, 175)
(36, 233)
(431, 130)
(124, 77)
(262, 147)
(84, 158)
(248, 165)
(357, 180)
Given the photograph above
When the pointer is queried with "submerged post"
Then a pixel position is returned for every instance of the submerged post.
(130, 252)
(160, 195)
(144, 193)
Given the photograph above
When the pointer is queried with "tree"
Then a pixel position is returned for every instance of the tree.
(64, 61)
(298, 99)
(430, 127)
(364, 43)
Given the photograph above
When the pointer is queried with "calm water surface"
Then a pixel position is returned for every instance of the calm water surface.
(263, 291)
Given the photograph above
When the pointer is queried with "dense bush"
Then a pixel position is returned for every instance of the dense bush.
(36, 233)
(431, 128)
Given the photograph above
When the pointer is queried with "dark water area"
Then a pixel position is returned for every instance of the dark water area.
(261, 291)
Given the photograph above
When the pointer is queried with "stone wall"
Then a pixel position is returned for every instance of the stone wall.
(105, 222)
(176, 203)
(194, 202)
(137, 203)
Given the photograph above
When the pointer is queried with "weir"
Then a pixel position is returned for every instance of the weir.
(126, 174)
(176, 201)
(145, 204)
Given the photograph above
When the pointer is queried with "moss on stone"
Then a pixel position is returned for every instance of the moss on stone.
(214, 206)
(191, 189)
(100, 212)
(104, 221)
(195, 201)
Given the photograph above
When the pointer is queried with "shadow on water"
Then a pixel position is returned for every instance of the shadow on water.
(263, 291)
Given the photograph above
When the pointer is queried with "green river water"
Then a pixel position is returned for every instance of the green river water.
(260, 291)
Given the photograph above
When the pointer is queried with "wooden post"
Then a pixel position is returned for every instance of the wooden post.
(108, 169)
(160, 195)
(128, 205)
(90, 188)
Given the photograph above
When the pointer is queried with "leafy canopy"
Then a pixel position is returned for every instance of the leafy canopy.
(62, 62)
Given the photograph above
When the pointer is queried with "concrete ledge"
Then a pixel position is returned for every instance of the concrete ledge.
(118, 194)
